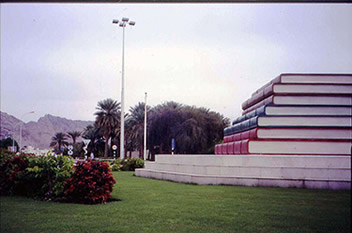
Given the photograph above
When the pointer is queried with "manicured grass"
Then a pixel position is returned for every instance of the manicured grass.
(160, 206)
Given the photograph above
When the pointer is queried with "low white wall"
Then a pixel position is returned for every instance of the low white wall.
(324, 172)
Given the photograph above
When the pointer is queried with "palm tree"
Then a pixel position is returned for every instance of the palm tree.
(108, 119)
(74, 135)
(135, 125)
(94, 135)
(60, 140)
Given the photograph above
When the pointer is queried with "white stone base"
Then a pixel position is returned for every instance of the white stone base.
(298, 171)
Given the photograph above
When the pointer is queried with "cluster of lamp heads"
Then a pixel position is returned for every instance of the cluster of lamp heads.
(123, 22)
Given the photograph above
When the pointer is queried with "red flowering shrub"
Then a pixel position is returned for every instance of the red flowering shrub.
(12, 169)
(91, 183)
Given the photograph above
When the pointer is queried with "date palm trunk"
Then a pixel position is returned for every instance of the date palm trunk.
(106, 148)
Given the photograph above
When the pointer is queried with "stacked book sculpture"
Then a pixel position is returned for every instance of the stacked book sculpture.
(301, 114)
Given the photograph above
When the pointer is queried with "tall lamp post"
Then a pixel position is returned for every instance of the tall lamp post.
(13, 137)
(145, 127)
(20, 149)
(123, 23)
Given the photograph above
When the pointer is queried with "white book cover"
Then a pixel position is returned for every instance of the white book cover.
(317, 78)
(308, 110)
(312, 89)
(313, 100)
(300, 147)
(308, 79)
(307, 121)
(304, 133)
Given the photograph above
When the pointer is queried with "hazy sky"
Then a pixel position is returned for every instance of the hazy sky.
(62, 59)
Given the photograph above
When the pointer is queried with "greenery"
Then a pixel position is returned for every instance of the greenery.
(108, 119)
(96, 144)
(74, 135)
(41, 177)
(5, 154)
(12, 170)
(59, 140)
(5, 143)
(91, 183)
(135, 128)
(195, 130)
(46, 176)
(129, 164)
(148, 205)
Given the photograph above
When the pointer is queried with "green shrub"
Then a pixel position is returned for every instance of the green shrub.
(131, 164)
(126, 164)
(41, 177)
(115, 167)
(5, 154)
(46, 176)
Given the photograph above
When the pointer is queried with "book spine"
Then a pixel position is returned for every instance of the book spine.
(249, 134)
(227, 138)
(268, 100)
(242, 126)
(261, 111)
(244, 147)
(216, 149)
(230, 148)
(267, 91)
(237, 148)
(275, 80)
(234, 148)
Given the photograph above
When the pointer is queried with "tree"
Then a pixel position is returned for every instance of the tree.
(92, 132)
(108, 119)
(74, 135)
(195, 130)
(135, 126)
(60, 140)
(7, 142)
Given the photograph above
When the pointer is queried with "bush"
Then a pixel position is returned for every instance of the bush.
(40, 177)
(46, 175)
(5, 143)
(115, 165)
(12, 168)
(131, 164)
(5, 155)
(52, 177)
(126, 164)
(91, 183)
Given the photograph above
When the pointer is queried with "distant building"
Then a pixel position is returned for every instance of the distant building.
(36, 151)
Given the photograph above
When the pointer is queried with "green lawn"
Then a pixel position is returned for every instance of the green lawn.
(160, 206)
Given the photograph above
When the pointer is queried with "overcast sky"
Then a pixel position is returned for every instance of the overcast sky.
(62, 59)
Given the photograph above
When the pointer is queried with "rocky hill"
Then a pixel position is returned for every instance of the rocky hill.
(38, 134)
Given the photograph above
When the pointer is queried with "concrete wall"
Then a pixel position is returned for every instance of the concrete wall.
(323, 172)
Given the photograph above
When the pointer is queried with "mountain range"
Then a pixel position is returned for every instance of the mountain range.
(38, 134)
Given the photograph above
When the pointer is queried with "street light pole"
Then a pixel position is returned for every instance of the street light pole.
(13, 137)
(145, 127)
(124, 22)
(20, 149)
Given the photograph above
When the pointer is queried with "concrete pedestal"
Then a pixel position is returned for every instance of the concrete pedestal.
(316, 172)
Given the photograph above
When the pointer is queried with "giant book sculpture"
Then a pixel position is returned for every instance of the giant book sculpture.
(294, 114)
(295, 131)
